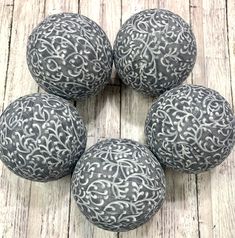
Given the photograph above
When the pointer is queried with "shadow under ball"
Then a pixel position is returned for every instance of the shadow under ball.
(41, 137)
(69, 55)
(118, 184)
(154, 51)
(190, 128)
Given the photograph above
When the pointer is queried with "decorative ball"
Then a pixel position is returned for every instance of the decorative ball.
(69, 55)
(190, 128)
(118, 184)
(155, 50)
(41, 137)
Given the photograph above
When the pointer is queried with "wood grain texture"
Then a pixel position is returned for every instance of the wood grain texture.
(58, 6)
(181, 200)
(107, 14)
(15, 191)
(199, 77)
(178, 216)
(215, 188)
(102, 112)
(6, 12)
(196, 206)
(230, 10)
(102, 117)
(218, 77)
(134, 107)
(51, 200)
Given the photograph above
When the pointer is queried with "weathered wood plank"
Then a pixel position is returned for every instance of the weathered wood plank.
(42, 210)
(199, 78)
(217, 76)
(196, 16)
(15, 192)
(58, 6)
(231, 41)
(6, 14)
(6, 11)
(50, 203)
(19, 80)
(49, 209)
(102, 115)
(182, 9)
(181, 188)
(216, 219)
(134, 107)
(107, 14)
(183, 199)
(102, 112)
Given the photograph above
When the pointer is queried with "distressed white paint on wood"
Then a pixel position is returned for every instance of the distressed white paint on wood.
(181, 188)
(197, 20)
(50, 203)
(102, 116)
(59, 6)
(199, 77)
(102, 112)
(134, 105)
(49, 209)
(6, 8)
(42, 210)
(231, 39)
(15, 194)
(217, 75)
(181, 207)
(108, 15)
(26, 16)
(215, 188)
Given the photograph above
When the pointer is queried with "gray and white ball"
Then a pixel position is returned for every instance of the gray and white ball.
(42, 137)
(69, 55)
(190, 128)
(118, 184)
(154, 51)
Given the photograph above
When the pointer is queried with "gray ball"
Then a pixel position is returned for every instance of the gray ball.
(42, 137)
(118, 184)
(190, 128)
(69, 55)
(154, 51)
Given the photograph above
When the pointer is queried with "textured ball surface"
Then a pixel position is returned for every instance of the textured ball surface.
(41, 137)
(118, 184)
(155, 50)
(69, 55)
(190, 128)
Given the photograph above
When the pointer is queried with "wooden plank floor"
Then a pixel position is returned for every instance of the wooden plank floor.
(196, 206)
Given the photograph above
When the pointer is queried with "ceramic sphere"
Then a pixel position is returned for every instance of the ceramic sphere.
(154, 51)
(42, 137)
(118, 184)
(190, 128)
(69, 55)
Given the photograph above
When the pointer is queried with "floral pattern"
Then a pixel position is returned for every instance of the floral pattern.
(69, 55)
(155, 50)
(118, 184)
(190, 128)
(41, 137)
